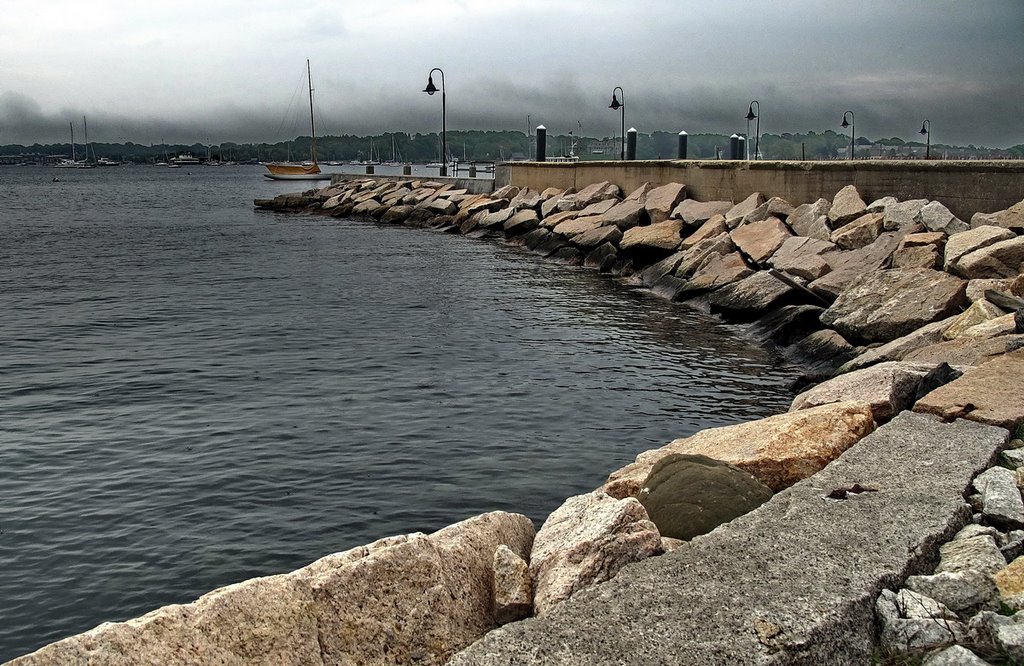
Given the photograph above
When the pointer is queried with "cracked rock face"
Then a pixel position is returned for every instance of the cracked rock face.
(407, 599)
(586, 541)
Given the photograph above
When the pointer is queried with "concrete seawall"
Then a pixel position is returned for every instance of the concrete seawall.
(965, 187)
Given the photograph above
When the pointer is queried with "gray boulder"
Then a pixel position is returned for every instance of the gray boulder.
(751, 297)
(804, 257)
(884, 305)
(902, 634)
(903, 214)
(954, 655)
(936, 217)
(709, 229)
(735, 214)
(974, 553)
(961, 592)
(811, 219)
(688, 495)
(848, 266)
(1000, 498)
(513, 587)
(625, 214)
(888, 387)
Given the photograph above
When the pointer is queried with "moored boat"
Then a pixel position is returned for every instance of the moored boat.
(307, 170)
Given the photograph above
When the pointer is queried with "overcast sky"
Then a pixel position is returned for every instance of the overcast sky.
(211, 71)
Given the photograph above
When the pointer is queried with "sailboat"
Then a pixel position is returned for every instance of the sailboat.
(74, 162)
(310, 171)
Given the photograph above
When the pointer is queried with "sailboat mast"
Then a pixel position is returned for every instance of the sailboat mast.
(312, 126)
(86, 126)
(72, 142)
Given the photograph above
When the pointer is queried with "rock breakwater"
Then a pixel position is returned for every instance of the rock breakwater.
(913, 323)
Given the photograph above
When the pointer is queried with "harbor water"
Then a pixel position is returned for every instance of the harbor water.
(193, 392)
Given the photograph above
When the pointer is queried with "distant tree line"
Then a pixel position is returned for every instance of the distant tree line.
(506, 145)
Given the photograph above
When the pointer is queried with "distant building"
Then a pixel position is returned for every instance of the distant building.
(610, 147)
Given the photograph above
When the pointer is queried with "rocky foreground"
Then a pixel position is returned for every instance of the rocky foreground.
(881, 518)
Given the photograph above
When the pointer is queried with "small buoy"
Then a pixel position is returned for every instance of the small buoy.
(56, 180)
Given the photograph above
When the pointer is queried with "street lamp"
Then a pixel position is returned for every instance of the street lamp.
(757, 127)
(853, 132)
(926, 129)
(616, 105)
(430, 90)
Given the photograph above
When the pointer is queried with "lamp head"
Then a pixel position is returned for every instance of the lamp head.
(844, 123)
(616, 105)
(750, 113)
(431, 88)
(924, 130)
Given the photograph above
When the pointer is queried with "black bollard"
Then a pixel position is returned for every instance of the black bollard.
(734, 147)
(542, 141)
(369, 169)
(472, 170)
(683, 136)
(742, 148)
(631, 143)
(407, 170)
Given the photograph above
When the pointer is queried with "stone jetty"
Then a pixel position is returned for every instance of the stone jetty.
(879, 520)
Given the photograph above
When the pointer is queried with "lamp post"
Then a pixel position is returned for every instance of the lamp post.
(757, 126)
(616, 105)
(853, 132)
(926, 129)
(430, 90)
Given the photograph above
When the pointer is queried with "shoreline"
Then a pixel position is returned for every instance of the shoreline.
(824, 307)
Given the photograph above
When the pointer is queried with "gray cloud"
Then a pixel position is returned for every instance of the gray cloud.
(227, 71)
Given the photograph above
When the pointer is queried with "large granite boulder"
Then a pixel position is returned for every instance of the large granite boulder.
(752, 296)
(661, 236)
(553, 220)
(811, 219)
(640, 193)
(689, 495)
(884, 305)
(661, 201)
(1004, 259)
(966, 350)
(936, 217)
(694, 257)
(522, 221)
(979, 312)
(736, 214)
(899, 348)
(578, 225)
(920, 250)
(599, 207)
(847, 206)
(404, 599)
(903, 214)
(397, 214)
(888, 387)
(803, 257)
(658, 270)
(1012, 218)
(593, 193)
(526, 199)
(709, 229)
(586, 541)
(760, 240)
(788, 324)
(694, 212)
(859, 233)
(625, 214)
(778, 450)
(960, 244)
(827, 348)
(594, 237)
(717, 271)
(990, 393)
(850, 265)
